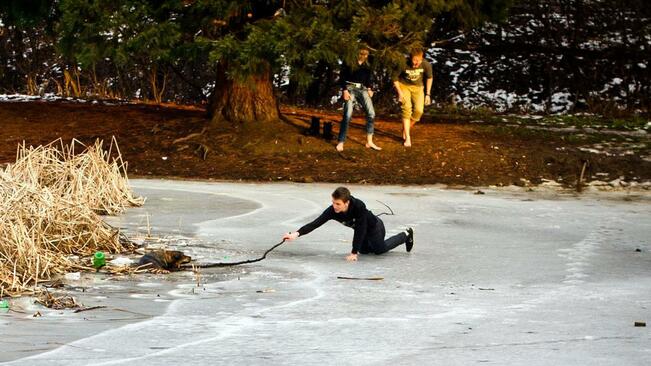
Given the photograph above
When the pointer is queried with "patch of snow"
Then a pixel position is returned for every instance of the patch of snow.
(598, 183)
(73, 276)
(206, 90)
(434, 51)
(619, 182)
(561, 102)
(592, 151)
(18, 97)
(51, 97)
(550, 184)
(527, 116)
(122, 261)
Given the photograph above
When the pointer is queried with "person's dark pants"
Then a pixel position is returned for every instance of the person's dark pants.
(375, 242)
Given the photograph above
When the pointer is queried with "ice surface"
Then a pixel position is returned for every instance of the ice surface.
(506, 278)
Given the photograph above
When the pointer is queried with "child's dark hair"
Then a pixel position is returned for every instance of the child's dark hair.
(341, 193)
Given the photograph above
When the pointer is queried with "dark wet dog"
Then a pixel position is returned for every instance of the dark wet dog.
(164, 260)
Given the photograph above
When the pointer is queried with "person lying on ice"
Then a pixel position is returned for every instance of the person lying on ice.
(369, 229)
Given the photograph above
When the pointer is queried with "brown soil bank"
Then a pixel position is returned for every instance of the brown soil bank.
(167, 142)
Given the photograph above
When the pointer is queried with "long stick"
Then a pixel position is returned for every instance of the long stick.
(227, 264)
(90, 308)
(361, 278)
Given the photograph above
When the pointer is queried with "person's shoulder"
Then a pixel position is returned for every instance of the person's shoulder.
(357, 203)
(427, 67)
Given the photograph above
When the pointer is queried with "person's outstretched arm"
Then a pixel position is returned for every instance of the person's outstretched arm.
(307, 228)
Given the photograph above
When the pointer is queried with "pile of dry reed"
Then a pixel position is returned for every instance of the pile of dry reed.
(50, 201)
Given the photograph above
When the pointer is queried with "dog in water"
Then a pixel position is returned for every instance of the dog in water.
(164, 261)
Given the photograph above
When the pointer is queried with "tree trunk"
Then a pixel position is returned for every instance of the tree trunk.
(243, 100)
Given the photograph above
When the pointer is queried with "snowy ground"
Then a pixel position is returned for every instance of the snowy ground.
(51, 97)
(504, 278)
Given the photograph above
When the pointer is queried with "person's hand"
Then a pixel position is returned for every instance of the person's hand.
(352, 257)
(370, 93)
(428, 100)
(346, 95)
(291, 236)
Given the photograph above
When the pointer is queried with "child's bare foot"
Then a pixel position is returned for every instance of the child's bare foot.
(340, 147)
(407, 143)
(371, 145)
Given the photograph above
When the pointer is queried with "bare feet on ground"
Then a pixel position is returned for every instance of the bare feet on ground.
(371, 145)
(340, 146)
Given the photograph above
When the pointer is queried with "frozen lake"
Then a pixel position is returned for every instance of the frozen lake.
(504, 278)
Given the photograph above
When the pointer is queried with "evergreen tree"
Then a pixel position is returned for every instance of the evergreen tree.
(26, 38)
(246, 42)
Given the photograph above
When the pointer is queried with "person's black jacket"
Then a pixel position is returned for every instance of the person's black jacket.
(357, 217)
(360, 74)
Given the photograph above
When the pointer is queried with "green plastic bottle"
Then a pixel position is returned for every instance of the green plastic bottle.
(99, 260)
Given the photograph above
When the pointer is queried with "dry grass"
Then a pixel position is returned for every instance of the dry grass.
(50, 201)
(90, 178)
